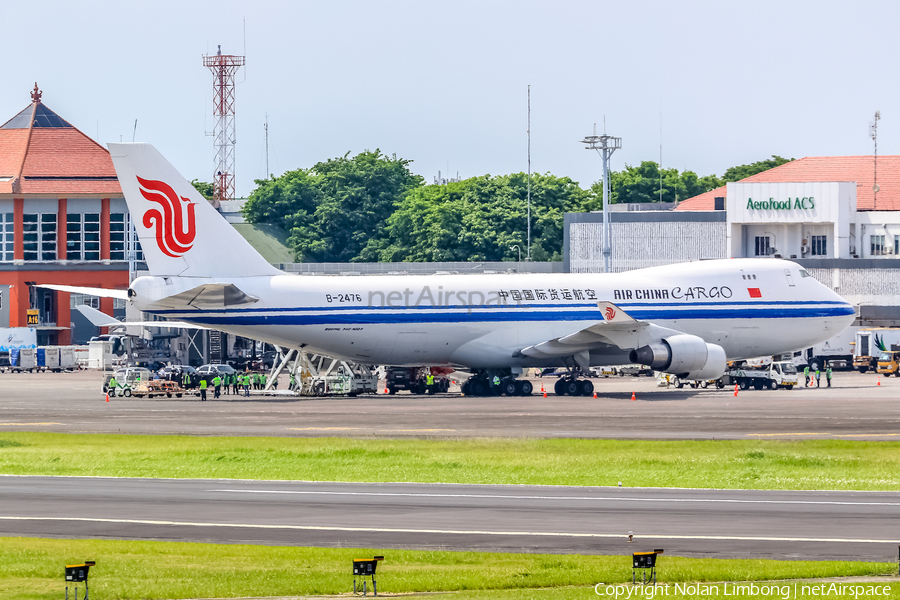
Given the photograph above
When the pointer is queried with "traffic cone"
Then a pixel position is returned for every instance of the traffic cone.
(107, 396)
(735, 390)
(632, 397)
(879, 380)
(386, 391)
(545, 393)
(595, 395)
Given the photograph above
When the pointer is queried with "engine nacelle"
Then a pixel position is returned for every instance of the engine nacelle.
(687, 356)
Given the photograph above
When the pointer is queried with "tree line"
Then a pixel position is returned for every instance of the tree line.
(372, 208)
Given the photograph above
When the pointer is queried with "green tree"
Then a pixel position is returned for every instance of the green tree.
(206, 189)
(646, 183)
(333, 209)
(743, 171)
(479, 219)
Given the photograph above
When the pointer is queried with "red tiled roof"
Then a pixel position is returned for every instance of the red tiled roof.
(55, 159)
(860, 169)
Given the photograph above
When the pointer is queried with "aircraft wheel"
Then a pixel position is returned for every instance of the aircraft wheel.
(678, 383)
(509, 387)
(127, 393)
(744, 384)
(572, 387)
(478, 387)
(704, 384)
(587, 387)
(559, 387)
(319, 389)
(773, 385)
(526, 388)
(392, 390)
(720, 384)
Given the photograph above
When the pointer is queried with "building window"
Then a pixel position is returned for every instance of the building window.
(762, 245)
(820, 245)
(133, 244)
(83, 236)
(896, 245)
(7, 237)
(877, 245)
(117, 236)
(84, 299)
(39, 236)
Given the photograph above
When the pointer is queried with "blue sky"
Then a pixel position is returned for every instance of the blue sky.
(444, 83)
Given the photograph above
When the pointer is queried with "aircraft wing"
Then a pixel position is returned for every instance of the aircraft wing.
(90, 291)
(617, 328)
(100, 319)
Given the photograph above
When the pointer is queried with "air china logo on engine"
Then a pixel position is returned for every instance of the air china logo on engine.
(174, 236)
(610, 313)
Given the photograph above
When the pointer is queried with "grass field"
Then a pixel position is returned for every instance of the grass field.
(736, 464)
(32, 569)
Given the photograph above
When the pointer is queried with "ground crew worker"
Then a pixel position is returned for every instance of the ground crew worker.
(806, 374)
(275, 384)
(217, 383)
(113, 384)
(496, 382)
(236, 383)
(293, 384)
(246, 385)
(818, 375)
(429, 381)
(186, 380)
(203, 389)
(828, 374)
(262, 381)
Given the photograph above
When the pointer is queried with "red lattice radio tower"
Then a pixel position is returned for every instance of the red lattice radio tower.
(223, 67)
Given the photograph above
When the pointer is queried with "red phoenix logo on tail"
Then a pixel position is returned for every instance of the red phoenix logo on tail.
(173, 236)
(610, 313)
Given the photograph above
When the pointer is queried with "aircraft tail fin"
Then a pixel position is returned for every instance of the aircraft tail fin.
(181, 233)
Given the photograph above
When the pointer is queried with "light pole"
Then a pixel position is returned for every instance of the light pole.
(516, 246)
(605, 145)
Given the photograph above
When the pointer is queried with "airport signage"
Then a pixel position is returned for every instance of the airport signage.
(34, 316)
(805, 203)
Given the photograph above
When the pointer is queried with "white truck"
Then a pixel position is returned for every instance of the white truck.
(836, 351)
(780, 374)
(870, 343)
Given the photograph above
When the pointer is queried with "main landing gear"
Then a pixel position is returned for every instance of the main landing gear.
(570, 385)
(496, 383)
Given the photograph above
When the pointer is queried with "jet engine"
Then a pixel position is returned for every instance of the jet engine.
(687, 356)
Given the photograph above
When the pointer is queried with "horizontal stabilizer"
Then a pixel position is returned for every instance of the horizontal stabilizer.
(90, 291)
(100, 319)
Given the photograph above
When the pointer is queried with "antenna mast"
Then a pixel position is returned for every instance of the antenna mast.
(873, 131)
(528, 251)
(605, 145)
(223, 67)
(267, 146)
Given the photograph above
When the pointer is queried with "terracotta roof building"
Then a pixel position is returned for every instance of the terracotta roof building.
(63, 220)
(858, 169)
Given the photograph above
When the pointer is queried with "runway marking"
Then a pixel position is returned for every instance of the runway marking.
(454, 531)
(366, 429)
(13, 424)
(827, 433)
(574, 498)
(776, 434)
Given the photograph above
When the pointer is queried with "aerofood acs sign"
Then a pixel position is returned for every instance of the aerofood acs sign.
(801, 202)
(805, 203)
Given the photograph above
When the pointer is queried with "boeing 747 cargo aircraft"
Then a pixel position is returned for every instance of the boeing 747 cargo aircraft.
(685, 319)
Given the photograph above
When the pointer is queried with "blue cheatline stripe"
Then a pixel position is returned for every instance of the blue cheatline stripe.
(589, 305)
(373, 319)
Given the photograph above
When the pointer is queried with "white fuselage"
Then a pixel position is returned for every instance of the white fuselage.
(750, 307)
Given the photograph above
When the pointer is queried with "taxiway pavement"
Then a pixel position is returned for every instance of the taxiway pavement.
(856, 408)
(584, 520)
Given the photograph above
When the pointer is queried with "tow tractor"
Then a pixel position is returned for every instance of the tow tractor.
(415, 380)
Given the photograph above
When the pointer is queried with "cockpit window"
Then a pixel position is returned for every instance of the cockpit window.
(804, 273)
